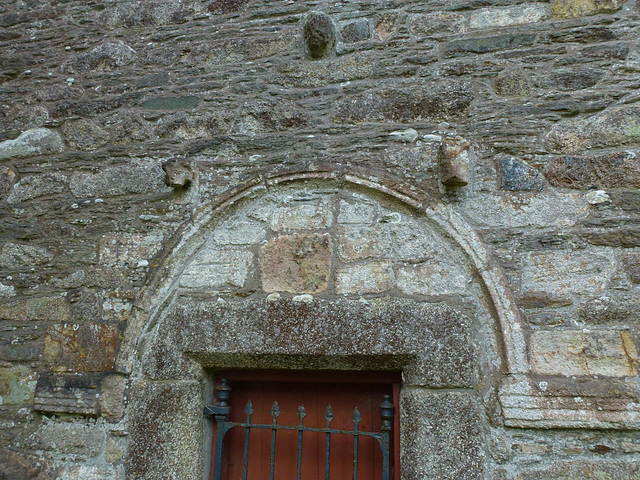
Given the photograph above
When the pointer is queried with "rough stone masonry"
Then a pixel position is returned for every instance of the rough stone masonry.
(187, 186)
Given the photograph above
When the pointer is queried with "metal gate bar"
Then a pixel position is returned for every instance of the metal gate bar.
(221, 409)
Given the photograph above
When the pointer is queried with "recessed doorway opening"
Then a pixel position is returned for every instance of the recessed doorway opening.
(305, 425)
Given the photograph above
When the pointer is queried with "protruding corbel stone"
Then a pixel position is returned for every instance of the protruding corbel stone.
(179, 173)
(453, 162)
(319, 35)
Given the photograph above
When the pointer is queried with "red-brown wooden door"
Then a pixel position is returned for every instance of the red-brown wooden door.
(315, 392)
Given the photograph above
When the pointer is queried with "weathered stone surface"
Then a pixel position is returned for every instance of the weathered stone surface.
(386, 26)
(373, 277)
(430, 342)
(73, 394)
(444, 434)
(555, 209)
(156, 12)
(513, 83)
(187, 102)
(128, 249)
(21, 342)
(346, 68)
(609, 51)
(22, 117)
(37, 141)
(7, 181)
(610, 170)
(516, 175)
(278, 40)
(622, 309)
(182, 126)
(319, 35)
(34, 186)
(312, 212)
(81, 439)
(113, 396)
(572, 78)
(93, 472)
(631, 265)
(114, 451)
(55, 93)
(85, 135)
(626, 200)
(19, 466)
(611, 128)
(165, 430)
(13, 64)
(227, 6)
(357, 31)
(104, 57)
(80, 348)
(129, 127)
(585, 470)
(563, 272)
(361, 210)
(45, 11)
(216, 269)
(612, 237)
(15, 255)
(584, 34)
(589, 352)
(17, 385)
(7, 291)
(487, 44)
(50, 309)
(453, 162)
(583, 8)
(239, 231)
(407, 136)
(507, 16)
(296, 263)
(444, 100)
(597, 197)
(437, 23)
(570, 402)
(271, 116)
(432, 278)
(359, 242)
(137, 176)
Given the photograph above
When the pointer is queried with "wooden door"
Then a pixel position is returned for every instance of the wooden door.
(315, 393)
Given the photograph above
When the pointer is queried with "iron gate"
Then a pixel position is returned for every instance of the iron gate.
(220, 411)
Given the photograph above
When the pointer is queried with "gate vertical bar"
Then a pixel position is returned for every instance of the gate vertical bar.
(248, 410)
(328, 416)
(356, 423)
(275, 413)
(221, 411)
(301, 414)
(386, 412)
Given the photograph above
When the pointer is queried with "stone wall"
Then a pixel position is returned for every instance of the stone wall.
(183, 183)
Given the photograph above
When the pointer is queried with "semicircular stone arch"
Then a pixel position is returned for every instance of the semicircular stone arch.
(314, 274)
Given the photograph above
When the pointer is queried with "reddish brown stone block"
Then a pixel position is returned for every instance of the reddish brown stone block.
(453, 159)
(296, 263)
(17, 466)
(80, 348)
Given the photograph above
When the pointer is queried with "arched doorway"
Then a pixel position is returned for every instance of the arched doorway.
(320, 274)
